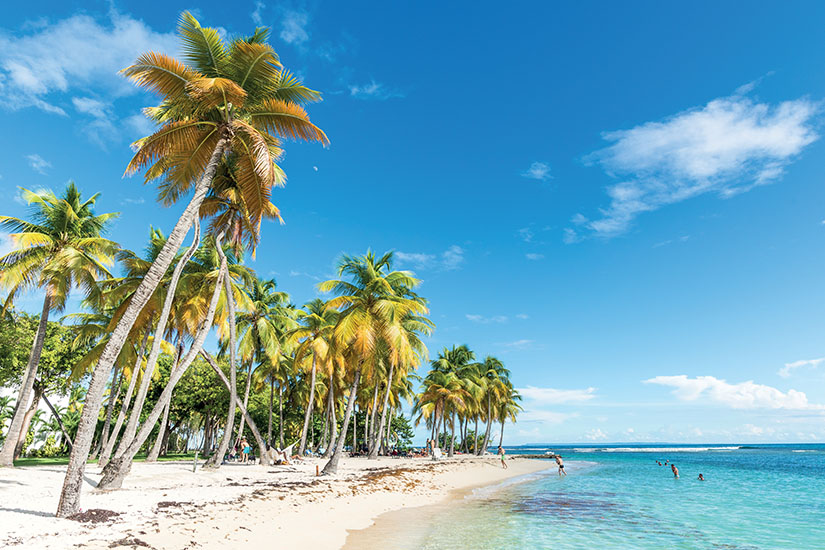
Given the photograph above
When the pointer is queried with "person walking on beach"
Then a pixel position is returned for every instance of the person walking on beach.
(675, 470)
(501, 452)
(245, 450)
(560, 462)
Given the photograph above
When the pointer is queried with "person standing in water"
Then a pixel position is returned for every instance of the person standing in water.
(501, 454)
(675, 470)
(560, 462)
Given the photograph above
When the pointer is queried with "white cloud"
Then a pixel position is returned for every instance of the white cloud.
(785, 371)
(555, 396)
(485, 320)
(538, 171)
(139, 200)
(745, 395)
(256, 16)
(728, 146)
(373, 90)
(516, 344)
(293, 27)
(533, 256)
(450, 259)
(526, 234)
(38, 163)
(522, 316)
(73, 53)
(595, 435)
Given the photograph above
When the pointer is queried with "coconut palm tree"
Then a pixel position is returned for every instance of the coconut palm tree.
(508, 407)
(494, 383)
(312, 337)
(371, 307)
(60, 248)
(233, 101)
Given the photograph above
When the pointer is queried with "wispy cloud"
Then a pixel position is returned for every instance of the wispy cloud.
(486, 320)
(526, 234)
(38, 163)
(138, 200)
(786, 371)
(544, 417)
(449, 260)
(553, 396)
(373, 90)
(294, 27)
(727, 147)
(522, 316)
(74, 53)
(538, 171)
(516, 344)
(745, 395)
(595, 434)
(533, 256)
(257, 14)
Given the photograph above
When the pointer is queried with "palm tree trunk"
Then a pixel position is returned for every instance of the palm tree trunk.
(242, 424)
(452, 436)
(56, 416)
(501, 437)
(216, 459)
(308, 413)
(387, 436)
(127, 399)
(154, 352)
(114, 393)
(331, 467)
(374, 452)
(489, 425)
(271, 405)
(27, 420)
(162, 427)
(7, 453)
(333, 423)
(373, 418)
(264, 454)
(475, 436)
(70, 494)
(118, 468)
(280, 415)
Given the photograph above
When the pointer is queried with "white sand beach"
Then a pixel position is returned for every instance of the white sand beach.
(168, 506)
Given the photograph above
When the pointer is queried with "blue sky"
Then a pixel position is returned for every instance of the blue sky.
(625, 204)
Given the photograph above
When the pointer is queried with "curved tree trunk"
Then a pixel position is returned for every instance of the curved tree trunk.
(377, 447)
(389, 431)
(252, 426)
(118, 468)
(27, 420)
(160, 331)
(216, 459)
(271, 406)
(161, 437)
(331, 467)
(127, 399)
(308, 414)
(245, 402)
(56, 416)
(114, 393)
(7, 453)
(70, 495)
(501, 437)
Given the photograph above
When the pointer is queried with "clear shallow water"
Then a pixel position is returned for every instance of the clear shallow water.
(770, 497)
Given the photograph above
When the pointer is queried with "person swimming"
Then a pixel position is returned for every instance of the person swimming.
(675, 470)
(701, 477)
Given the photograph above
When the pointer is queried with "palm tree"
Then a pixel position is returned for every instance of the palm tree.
(371, 308)
(312, 337)
(494, 383)
(232, 101)
(508, 408)
(60, 248)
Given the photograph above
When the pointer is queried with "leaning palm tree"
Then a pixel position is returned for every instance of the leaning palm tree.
(232, 101)
(60, 248)
(495, 379)
(508, 408)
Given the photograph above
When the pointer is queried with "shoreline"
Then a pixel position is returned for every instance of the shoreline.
(167, 506)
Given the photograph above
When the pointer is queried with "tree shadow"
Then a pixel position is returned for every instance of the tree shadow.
(27, 512)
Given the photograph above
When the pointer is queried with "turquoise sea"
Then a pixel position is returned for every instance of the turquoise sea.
(755, 497)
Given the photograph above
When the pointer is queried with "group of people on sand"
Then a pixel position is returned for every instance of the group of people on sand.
(675, 470)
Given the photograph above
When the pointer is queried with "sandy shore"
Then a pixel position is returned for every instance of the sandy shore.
(167, 506)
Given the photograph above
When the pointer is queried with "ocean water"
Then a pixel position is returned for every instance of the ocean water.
(755, 497)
